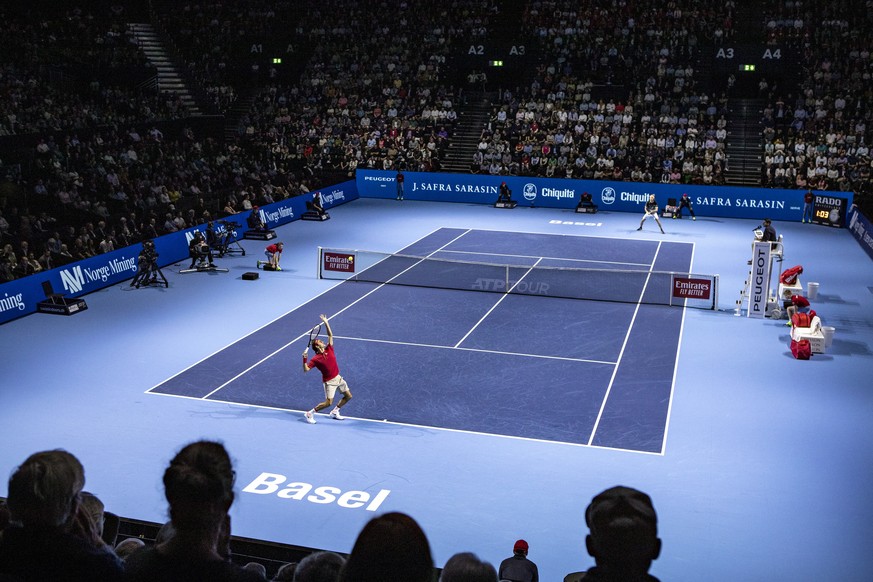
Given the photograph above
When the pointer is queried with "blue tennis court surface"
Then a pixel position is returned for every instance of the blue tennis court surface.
(539, 367)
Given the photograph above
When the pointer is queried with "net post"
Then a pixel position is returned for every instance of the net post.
(318, 257)
(715, 294)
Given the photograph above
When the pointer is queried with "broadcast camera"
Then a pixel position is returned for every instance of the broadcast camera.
(229, 227)
(148, 254)
(201, 255)
(226, 239)
(148, 272)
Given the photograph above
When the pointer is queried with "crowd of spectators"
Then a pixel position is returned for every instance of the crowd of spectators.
(615, 96)
(51, 528)
(657, 125)
(819, 136)
(613, 43)
(213, 42)
(40, 59)
(121, 187)
(375, 92)
(562, 132)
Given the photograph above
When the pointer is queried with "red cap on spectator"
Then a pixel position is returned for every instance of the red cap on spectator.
(520, 546)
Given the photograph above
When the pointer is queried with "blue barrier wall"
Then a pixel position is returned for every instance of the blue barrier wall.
(720, 201)
(19, 297)
(862, 229)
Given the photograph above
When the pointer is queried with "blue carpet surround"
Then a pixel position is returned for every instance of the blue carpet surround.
(488, 417)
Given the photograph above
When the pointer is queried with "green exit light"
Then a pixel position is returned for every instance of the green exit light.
(747, 68)
(496, 63)
(277, 61)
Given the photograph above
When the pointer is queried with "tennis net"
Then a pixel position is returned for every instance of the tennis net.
(597, 284)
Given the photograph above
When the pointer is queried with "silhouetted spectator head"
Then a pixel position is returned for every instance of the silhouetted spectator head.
(520, 547)
(127, 546)
(257, 568)
(44, 490)
(4, 515)
(467, 567)
(165, 533)
(319, 567)
(95, 509)
(198, 485)
(624, 533)
(390, 547)
(286, 573)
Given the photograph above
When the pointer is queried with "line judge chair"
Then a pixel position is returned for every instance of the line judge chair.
(56, 298)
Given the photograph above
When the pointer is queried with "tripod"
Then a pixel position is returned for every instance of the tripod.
(149, 274)
(226, 242)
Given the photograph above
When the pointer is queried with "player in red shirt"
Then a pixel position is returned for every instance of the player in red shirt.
(325, 360)
(274, 253)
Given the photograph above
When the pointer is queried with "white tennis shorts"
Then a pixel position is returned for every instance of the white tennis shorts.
(334, 384)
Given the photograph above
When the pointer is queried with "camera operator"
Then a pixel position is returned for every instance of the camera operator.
(254, 221)
(147, 265)
(200, 251)
(211, 238)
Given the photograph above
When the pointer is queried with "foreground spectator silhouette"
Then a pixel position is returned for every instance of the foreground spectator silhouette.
(517, 568)
(128, 546)
(46, 540)
(319, 567)
(198, 485)
(623, 538)
(390, 547)
(467, 567)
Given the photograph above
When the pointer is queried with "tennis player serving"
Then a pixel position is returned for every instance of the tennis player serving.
(325, 360)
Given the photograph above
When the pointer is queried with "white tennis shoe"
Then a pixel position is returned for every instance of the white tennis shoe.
(335, 414)
(309, 417)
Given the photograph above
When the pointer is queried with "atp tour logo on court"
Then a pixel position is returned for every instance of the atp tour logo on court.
(607, 195)
(343, 263)
(687, 288)
(530, 192)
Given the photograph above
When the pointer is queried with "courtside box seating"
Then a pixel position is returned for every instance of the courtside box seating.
(57, 304)
(259, 234)
(313, 215)
(586, 204)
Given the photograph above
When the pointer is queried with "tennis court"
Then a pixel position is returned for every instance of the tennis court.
(553, 353)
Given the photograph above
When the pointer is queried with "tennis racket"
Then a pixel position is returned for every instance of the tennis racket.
(313, 335)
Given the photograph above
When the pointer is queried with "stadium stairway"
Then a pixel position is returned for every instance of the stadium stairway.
(233, 117)
(744, 151)
(168, 77)
(473, 117)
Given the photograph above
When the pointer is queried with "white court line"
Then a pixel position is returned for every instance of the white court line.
(421, 426)
(546, 258)
(499, 301)
(623, 345)
(676, 363)
(361, 298)
(479, 350)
